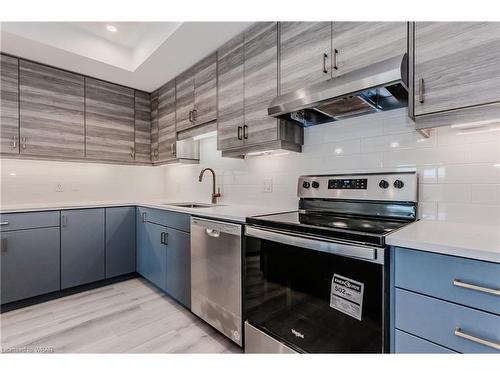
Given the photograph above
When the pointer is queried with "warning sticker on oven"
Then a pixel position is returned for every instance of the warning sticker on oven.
(347, 296)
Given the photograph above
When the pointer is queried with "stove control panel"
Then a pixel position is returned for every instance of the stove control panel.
(349, 183)
(390, 186)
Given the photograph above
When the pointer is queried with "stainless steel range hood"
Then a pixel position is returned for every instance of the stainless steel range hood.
(380, 87)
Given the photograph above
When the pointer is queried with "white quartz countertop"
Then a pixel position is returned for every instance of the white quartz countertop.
(230, 212)
(468, 240)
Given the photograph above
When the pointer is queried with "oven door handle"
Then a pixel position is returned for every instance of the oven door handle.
(308, 242)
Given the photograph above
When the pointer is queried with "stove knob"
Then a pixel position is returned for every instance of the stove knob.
(306, 185)
(383, 184)
(398, 184)
(315, 184)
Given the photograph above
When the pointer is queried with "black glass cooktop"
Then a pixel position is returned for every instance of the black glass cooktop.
(352, 228)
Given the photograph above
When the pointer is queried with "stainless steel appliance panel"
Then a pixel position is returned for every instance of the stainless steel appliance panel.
(257, 342)
(216, 275)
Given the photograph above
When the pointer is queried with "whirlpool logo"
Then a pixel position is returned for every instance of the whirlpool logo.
(298, 334)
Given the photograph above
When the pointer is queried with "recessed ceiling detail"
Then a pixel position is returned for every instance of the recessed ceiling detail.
(143, 55)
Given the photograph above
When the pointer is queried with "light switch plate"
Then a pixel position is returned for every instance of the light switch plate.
(268, 185)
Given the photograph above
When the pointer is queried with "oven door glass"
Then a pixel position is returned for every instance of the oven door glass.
(288, 295)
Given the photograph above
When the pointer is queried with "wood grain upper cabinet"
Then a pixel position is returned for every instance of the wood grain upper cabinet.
(205, 90)
(196, 94)
(456, 65)
(305, 54)
(9, 105)
(230, 116)
(155, 155)
(142, 127)
(184, 101)
(360, 44)
(109, 121)
(260, 82)
(166, 122)
(51, 111)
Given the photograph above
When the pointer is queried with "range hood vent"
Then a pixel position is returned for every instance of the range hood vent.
(379, 87)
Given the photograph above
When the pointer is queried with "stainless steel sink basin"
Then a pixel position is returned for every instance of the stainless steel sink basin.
(192, 205)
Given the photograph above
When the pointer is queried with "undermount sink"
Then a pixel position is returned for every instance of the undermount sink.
(192, 205)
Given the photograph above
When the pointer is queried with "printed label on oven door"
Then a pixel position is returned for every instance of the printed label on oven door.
(347, 296)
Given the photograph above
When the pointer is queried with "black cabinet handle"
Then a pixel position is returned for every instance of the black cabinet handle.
(335, 53)
(164, 238)
(245, 131)
(325, 58)
(421, 90)
(239, 133)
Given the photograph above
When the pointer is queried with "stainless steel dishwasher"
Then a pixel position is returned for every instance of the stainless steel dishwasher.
(216, 293)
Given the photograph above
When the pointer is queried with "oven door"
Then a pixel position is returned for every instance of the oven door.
(314, 295)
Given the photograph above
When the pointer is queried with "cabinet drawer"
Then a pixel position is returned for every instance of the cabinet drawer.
(435, 274)
(170, 219)
(438, 321)
(409, 344)
(29, 220)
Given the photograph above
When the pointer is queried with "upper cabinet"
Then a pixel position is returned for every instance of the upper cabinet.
(205, 90)
(261, 82)
(166, 123)
(230, 116)
(9, 104)
(247, 83)
(356, 45)
(51, 112)
(184, 102)
(142, 127)
(305, 54)
(196, 94)
(155, 155)
(110, 121)
(456, 65)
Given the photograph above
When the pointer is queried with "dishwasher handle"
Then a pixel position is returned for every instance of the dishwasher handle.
(215, 228)
(212, 232)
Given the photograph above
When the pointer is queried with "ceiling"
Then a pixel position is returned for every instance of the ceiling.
(143, 55)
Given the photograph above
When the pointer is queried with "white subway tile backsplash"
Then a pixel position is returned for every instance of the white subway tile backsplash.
(458, 193)
(469, 173)
(484, 152)
(459, 174)
(485, 194)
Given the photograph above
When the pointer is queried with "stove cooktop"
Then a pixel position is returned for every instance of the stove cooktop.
(365, 230)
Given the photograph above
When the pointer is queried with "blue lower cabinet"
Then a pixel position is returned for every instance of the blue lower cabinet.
(409, 344)
(82, 246)
(120, 241)
(30, 263)
(453, 279)
(179, 266)
(164, 256)
(457, 327)
(152, 254)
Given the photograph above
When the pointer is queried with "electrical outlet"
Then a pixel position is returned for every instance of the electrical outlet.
(268, 185)
(59, 188)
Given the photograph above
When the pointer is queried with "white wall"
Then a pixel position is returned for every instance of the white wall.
(30, 181)
(459, 173)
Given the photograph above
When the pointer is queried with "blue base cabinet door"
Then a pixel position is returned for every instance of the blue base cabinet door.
(179, 266)
(82, 246)
(30, 263)
(120, 241)
(152, 254)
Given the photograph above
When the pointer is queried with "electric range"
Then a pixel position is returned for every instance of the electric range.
(316, 278)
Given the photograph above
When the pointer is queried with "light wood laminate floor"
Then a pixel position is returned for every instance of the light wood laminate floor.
(127, 317)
